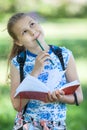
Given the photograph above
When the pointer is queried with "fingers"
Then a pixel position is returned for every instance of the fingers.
(60, 95)
(40, 61)
(56, 96)
(43, 56)
(42, 53)
(61, 92)
(52, 97)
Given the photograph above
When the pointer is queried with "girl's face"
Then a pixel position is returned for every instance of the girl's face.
(27, 30)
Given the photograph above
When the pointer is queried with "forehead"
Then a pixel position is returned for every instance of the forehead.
(22, 23)
(25, 19)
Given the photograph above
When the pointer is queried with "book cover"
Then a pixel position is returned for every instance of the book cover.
(71, 87)
(32, 88)
(42, 96)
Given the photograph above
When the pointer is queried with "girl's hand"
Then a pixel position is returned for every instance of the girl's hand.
(57, 95)
(40, 61)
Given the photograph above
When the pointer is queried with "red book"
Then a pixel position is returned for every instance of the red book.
(42, 96)
(32, 88)
(71, 87)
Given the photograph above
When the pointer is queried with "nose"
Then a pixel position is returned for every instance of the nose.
(32, 32)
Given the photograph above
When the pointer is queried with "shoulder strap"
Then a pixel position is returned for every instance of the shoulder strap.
(58, 52)
(21, 60)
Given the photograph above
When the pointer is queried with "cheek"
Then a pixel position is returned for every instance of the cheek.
(27, 38)
(25, 41)
(28, 44)
(42, 30)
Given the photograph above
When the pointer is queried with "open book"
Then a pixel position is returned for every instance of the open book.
(32, 88)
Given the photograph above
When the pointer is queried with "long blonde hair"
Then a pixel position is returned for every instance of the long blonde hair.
(15, 48)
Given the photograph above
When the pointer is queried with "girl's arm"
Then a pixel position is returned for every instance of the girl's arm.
(71, 75)
(15, 81)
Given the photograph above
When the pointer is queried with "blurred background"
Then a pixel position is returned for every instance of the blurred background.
(65, 24)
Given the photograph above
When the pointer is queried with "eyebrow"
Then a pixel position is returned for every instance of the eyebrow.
(30, 21)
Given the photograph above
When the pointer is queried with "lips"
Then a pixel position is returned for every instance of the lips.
(36, 37)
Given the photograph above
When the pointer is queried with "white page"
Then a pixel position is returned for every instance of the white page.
(55, 76)
(31, 83)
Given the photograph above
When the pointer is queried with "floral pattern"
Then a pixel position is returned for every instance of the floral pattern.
(55, 111)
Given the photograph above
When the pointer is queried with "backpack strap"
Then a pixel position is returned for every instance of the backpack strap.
(21, 60)
(58, 52)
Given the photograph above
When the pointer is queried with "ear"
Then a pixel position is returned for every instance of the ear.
(18, 43)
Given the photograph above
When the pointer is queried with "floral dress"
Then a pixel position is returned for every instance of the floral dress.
(51, 74)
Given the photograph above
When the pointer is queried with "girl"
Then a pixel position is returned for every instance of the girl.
(51, 115)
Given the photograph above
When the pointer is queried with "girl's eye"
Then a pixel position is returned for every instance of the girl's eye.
(24, 32)
(32, 24)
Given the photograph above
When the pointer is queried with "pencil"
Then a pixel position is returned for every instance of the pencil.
(40, 45)
(43, 49)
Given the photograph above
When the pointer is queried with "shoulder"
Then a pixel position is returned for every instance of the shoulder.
(21, 57)
(64, 49)
(14, 61)
(66, 53)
